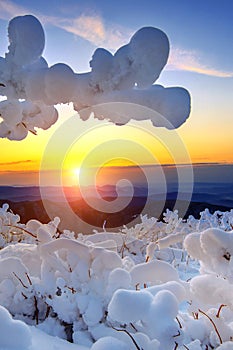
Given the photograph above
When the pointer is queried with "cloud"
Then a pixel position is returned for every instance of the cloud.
(9, 9)
(89, 27)
(190, 61)
(16, 162)
(94, 29)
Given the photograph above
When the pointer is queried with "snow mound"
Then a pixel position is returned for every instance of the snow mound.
(14, 334)
(137, 295)
(107, 343)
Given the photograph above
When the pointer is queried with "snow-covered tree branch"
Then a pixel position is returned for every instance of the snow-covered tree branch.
(33, 89)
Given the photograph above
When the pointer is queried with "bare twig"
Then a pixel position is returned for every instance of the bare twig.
(19, 279)
(176, 345)
(131, 337)
(23, 229)
(214, 325)
(219, 310)
(133, 326)
(195, 315)
(124, 246)
(33, 132)
(29, 279)
(47, 311)
(25, 297)
(36, 314)
(176, 335)
(185, 347)
(73, 291)
(180, 325)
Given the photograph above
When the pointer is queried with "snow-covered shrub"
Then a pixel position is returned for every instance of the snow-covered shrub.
(138, 288)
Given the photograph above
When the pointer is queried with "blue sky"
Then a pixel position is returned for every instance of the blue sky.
(201, 30)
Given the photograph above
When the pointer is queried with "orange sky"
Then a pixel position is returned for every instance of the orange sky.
(99, 144)
(205, 137)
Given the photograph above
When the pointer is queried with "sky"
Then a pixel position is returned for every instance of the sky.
(201, 60)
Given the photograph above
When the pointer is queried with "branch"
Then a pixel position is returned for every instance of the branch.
(179, 323)
(131, 337)
(219, 310)
(19, 279)
(29, 279)
(47, 311)
(23, 229)
(36, 314)
(214, 325)
(132, 325)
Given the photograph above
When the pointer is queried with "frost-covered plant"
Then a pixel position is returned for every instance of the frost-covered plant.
(120, 289)
(10, 228)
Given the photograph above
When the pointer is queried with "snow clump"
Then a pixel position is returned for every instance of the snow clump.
(113, 85)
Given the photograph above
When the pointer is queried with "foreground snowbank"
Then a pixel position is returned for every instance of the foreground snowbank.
(136, 289)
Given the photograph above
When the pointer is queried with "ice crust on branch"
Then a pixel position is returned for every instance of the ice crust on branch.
(125, 77)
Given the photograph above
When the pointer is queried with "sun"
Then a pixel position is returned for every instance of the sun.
(76, 173)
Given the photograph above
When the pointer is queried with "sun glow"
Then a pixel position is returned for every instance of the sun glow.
(77, 174)
(77, 171)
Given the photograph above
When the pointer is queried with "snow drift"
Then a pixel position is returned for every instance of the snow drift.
(101, 291)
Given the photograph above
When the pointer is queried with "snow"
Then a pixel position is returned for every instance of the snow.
(129, 305)
(27, 40)
(149, 50)
(153, 272)
(41, 340)
(109, 342)
(114, 88)
(54, 290)
(14, 334)
(59, 84)
(118, 278)
(160, 285)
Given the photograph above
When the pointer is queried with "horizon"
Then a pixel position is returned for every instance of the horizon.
(203, 172)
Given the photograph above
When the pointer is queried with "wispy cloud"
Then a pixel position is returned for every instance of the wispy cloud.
(186, 60)
(93, 28)
(9, 9)
(90, 27)
(16, 162)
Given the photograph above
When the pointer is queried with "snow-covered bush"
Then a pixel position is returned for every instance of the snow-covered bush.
(122, 290)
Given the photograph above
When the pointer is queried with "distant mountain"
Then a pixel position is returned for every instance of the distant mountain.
(213, 193)
(27, 202)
